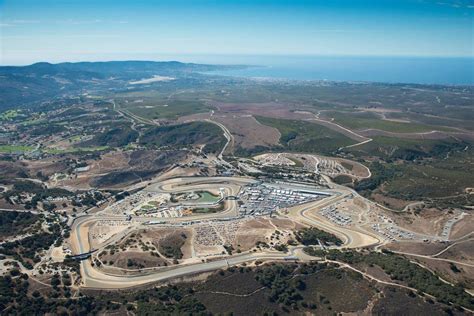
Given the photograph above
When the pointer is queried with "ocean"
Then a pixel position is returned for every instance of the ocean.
(420, 70)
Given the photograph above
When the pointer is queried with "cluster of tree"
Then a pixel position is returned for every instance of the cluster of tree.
(169, 300)
(282, 248)
(250, 152)
(121, 196)
(171, 245)
(26, 250)
(286, 138)
(439, 150)
(313, 236)
(188, 134)
(40, 192)
(24, 186)
(47, 129)
(215, 147)
(14, 300)
(16, 222)
(88, 199)
(380, 174)
(285, 288)
(116, 137)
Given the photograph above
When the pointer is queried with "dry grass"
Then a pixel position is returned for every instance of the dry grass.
(429, 221)
(419, 248)
(248, 132)
(120, 259)
(463, 227)
(463, 252)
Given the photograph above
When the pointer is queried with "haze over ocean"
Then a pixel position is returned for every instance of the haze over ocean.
(421, 70)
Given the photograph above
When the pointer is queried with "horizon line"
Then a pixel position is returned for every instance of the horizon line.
(237, 55)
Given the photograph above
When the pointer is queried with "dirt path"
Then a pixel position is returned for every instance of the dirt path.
(368, 276)
(434, 258)
(343, 130)
(233, 294)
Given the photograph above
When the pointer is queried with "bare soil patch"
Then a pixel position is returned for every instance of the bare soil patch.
(391, 202)
(286, 224)
(462, 251)
(252, 232)
(429, 221)
(419, 248)
(463, 227)
(248, 132)
(10, 170)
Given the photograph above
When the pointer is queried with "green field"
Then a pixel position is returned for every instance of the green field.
(74, 150)
(33, 122)
(9, 115)
(301, 136)
(165, 109)
(207, 197)
(147, 207)
(8, 149)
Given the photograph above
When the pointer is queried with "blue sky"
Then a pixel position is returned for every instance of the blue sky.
(71, 30)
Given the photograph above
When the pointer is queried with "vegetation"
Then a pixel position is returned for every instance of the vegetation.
(427, 179)
(50, 150)
(16, 223)
(401, 269)
(116, 137)
(10, 149)
(278, 278)
(9, 115)
(170, 246)
(313, 236)
(157, 108)
(184, 135)
(365, 120)
(47, 129)
(39, 192)
(302, 136)
(26, 250)
(391, 149)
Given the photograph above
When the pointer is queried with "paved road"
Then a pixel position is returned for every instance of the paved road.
(96, 279)
(351, 237)
(227, 135)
